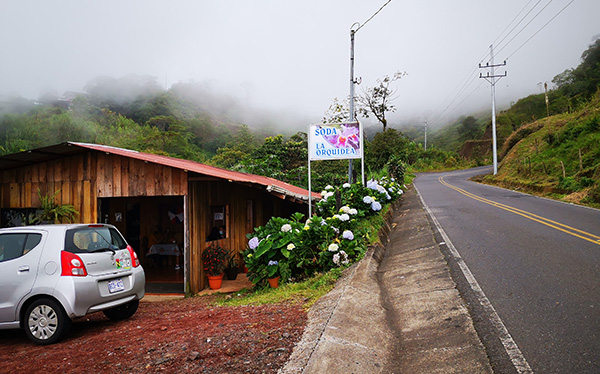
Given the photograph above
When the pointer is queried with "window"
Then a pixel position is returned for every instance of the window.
(92, 239)
(217, 221)
(32, 241)
(12, 246)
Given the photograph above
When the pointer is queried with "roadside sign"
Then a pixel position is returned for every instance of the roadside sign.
(335, 141)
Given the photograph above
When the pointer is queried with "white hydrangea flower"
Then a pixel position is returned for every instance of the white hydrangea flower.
(353, 211)
(376, 206)
(344, 217)
(345, 209)
(346, 185)
(345, 256)
(286, 228)
(291, 246)
(367, 200)
(333, 247)
(329, 187)
(347, 234)
(336, 259)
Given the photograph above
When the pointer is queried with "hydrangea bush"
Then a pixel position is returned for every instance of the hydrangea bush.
(332, 238)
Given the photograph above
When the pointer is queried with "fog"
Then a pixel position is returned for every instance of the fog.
(284, 62)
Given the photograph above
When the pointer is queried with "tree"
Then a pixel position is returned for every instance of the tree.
(469, 128)
(376, 101)
(337, 112)
(236, 151)
(583, 81)
(385, 145)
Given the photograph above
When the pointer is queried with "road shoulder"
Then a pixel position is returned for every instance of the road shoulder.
(396, 311)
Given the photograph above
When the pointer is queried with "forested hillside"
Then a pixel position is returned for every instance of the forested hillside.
(557, 156)
(131, 112)
(188, 121)
(554, 148)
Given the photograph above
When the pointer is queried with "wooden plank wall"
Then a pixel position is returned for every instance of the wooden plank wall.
(85, 177)
(248, 207)
(121, 177)
(71, 176)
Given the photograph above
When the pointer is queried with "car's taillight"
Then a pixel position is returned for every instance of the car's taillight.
(135, 261)
(72, 265)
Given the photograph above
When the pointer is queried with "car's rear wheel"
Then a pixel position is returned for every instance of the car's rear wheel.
(122, 312)
(46, 322)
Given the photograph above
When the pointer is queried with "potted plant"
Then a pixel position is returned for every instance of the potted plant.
(232, 268)
(273, 268)
(214, 259)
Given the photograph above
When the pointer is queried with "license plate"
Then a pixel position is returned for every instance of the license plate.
(115, 285)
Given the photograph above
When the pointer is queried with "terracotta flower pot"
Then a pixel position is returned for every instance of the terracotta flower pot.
(274, 282)
(215, 281)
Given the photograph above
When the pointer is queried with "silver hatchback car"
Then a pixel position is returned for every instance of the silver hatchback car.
(51, 274)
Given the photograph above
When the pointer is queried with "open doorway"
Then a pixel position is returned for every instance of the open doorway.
(154, 227)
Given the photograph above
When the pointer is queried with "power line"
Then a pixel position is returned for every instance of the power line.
(374, 14)
(465, 83)
(541, 28)
(510, 23)
(520, 31)
(522, 19)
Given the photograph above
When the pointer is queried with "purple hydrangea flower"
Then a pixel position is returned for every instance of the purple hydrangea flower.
(253, 243)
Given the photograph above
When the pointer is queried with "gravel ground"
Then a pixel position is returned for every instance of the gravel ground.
(174, 336)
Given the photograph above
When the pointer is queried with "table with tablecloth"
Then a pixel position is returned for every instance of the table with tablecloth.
(168, 249)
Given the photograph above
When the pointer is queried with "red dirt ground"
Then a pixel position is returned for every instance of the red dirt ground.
(176, 336)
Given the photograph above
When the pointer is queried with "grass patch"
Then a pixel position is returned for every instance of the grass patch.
(306, 292)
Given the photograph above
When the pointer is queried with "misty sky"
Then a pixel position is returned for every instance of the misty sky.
(292, 57)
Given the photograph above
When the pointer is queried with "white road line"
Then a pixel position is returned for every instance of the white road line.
(513, 351)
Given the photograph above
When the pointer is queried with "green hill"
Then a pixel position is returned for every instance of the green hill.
(557, 156)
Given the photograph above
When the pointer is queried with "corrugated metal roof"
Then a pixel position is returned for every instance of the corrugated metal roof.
(272, 185)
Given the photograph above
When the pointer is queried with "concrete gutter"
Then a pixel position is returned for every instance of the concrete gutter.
(396, 311)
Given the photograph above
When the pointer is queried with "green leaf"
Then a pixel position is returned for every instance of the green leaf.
(263, 247)
(272, 271)
(283, 241)
(285, 252)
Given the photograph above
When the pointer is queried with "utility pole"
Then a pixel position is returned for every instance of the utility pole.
(353, 81)
(547, 102)
(492, 79)
(425, 134)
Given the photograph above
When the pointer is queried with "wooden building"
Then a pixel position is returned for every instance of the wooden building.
(152, 199)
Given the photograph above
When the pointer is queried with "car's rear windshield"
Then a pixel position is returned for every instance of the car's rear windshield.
(93, 239)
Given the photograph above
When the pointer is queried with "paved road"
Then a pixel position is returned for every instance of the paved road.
(536, 260)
